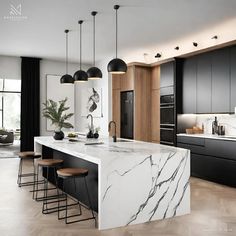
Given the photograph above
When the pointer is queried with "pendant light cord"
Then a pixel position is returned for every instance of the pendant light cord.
(94, 39)
(80, 39)
(66, 31)
(116, 32)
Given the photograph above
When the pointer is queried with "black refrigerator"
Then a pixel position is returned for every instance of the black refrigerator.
(127, 114)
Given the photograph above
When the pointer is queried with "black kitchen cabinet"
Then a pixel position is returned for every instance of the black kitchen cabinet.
(167, 74)
(214, 169)
(211, 159)
(204, 83)
(189, 85)
(220, 81)
(233, 78)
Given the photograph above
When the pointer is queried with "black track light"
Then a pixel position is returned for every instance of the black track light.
(195, 44)
(215, 37)
(158, 55)
(177, 48)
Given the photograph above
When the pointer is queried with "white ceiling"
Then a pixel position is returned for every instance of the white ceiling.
(142, 23)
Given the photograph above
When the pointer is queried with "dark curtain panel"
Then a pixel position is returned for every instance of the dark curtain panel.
(30, 99)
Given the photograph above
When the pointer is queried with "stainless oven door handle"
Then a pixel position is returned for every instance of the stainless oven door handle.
(167, 129)
(166, 107)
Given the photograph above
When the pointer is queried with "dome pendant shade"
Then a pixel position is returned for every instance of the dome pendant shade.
(67, 79)
(94, 73)
(117, 66)
(80, 76)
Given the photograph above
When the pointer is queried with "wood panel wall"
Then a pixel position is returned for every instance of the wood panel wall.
(142, 107)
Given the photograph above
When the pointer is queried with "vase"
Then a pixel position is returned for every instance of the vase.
(90, 134)
(58, 135)
(96, 135)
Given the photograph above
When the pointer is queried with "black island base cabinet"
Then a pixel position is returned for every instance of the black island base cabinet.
(211, 159)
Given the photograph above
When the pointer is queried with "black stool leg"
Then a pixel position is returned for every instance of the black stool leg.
(20, 173)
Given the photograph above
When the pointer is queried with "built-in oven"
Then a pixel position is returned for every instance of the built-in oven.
(167, 100)
(167, 115)
(167, 135)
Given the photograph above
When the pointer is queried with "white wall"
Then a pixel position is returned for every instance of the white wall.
(10, 67)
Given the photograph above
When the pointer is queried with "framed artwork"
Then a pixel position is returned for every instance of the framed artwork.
(57, 91)
(91, 102)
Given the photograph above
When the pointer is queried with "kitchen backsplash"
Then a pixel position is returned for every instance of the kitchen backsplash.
(229, 121)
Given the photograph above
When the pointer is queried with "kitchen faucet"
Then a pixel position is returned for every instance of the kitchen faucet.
(91, 124)
(109, 128)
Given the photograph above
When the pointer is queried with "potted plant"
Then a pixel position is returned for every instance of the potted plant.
(55, 111)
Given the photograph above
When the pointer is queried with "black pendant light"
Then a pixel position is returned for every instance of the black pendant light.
(80, 75)
(94, 72)
(67, 79)
(117, 66)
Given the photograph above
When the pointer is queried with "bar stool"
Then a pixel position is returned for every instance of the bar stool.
(47, 164)
(29, 155)
(72, 174)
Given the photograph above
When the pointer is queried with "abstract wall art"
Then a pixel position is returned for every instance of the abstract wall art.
(91, 102)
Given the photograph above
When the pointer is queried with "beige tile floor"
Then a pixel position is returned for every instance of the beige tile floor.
(213, 213)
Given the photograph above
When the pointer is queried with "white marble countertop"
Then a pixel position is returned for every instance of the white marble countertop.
(137, 181)
(210, 136)
(107, 150)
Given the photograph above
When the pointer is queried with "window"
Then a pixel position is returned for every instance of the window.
(10, 103)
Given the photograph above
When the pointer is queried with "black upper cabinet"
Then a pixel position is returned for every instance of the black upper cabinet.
(204, 83)
(233, 78)
(167, 74)
(189, 85)
(221, 81)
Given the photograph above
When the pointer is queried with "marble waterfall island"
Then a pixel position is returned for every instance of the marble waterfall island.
(136, 181)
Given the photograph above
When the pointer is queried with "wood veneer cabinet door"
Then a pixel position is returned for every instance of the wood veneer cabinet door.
(142, 98)
(155, 116)
(116, 81)
(127, 80)
(116, 110)
(155, 77)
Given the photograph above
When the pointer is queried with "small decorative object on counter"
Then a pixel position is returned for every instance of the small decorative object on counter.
(96, 134)
(221, 130)
(55, 111)
(90, 134)
(215, 126)
(194, 130)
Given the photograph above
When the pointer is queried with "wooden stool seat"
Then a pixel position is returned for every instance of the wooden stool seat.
(49, 162)
(29, 154)
(72, 172)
